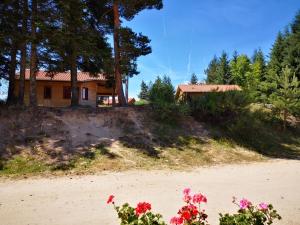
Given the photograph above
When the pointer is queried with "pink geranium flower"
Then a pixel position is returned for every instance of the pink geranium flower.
(263, 206)
(186, 191)
(198, 198)
(176, 220)
(244, 203)
(187, 198)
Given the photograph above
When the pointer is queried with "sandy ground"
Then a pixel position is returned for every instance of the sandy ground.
(81, 200)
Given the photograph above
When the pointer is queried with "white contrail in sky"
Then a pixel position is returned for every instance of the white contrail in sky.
(165, 32)
(189, 64)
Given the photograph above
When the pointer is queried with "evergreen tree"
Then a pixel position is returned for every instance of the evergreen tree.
(223, 75)
(235, 56)
(127, 10)
(144, 94)
(162, 91)
(194, 79)
(10, 36)
(258, 65)
(276, 56)
(241, 71)
(131, 47)
(258, 71)
(292, 47)
(23, 48)
(285, 98)
(78, 43)
(33, 53)
(233, 67)
(211, 71)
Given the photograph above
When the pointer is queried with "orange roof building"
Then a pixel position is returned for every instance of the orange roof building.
(55, 90)
(188, 90)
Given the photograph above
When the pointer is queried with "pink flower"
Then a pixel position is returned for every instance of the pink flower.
(187, 198)
(186, 191)
(110, 199)
(244, 203)
(176, 220)
(263, 206)
(198, 198)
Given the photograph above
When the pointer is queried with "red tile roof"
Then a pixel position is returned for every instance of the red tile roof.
(65, 76)
(188, 88)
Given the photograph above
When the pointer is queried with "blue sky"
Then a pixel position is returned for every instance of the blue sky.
(186, 34)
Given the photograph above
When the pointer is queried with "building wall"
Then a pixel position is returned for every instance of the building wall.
(57, 99)
(92, 94)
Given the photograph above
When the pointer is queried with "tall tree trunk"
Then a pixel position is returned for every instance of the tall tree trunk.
(33, 55)
(285, 116)
(74, 89)
(23, 53)
(118, 76)
(12, 76)
(126, 88)
(113, 101)
(11, 98)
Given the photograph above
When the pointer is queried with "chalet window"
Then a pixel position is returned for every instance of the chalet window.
(47, 92)
(67, 93)
(85, 93)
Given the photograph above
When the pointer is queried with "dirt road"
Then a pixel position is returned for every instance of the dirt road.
(81, 200)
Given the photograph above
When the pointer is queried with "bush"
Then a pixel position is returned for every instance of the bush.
(141, 215)
(216, 106)
(162, 91)
(162, 99)
(169, 113)
(249, 214)
(192, 213)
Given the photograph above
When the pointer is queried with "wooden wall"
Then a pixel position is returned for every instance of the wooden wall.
(57, 99)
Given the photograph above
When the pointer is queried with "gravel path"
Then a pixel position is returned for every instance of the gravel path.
(81, 200)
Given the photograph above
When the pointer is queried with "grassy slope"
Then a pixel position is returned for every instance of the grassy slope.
(176, 147)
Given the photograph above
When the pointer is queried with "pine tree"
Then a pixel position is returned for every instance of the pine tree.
(258, 65)
(23, 48)
(144, 94)
(127, 10)
(275, 65)
(285, 98)
(241, 71)
(77, 43)
(194, 79)
(10, 34)
(162, 91)
(131, 47)
(258, 72)
(211, 71)
(33, 53)
(223, 71)
(292, 47)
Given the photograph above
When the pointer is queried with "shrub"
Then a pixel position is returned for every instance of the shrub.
(249, 214)
(169, 113)
(141, 215)
(217, 105)
(162, 91)
(191, 213)
(162, 99)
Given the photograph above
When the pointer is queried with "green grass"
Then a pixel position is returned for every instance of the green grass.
(258, 131)
(141, 102)
(23, 165)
